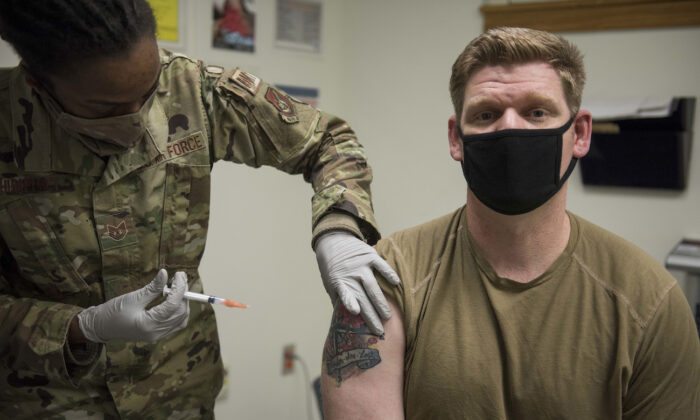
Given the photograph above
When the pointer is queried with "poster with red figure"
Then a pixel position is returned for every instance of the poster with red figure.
(234, 25)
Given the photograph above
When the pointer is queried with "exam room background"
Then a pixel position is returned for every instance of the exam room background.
(384, 67)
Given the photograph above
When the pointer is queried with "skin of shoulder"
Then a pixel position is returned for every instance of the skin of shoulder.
(362, 374)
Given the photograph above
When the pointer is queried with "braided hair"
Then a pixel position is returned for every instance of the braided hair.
(50, 34)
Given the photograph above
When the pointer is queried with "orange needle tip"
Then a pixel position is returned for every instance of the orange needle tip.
(233, 304)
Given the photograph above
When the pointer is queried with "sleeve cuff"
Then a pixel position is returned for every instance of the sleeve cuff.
(336, 221)
(79, 358)
(81, 354)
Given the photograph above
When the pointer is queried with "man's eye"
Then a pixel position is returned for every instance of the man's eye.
(538, 113)
(484, 116)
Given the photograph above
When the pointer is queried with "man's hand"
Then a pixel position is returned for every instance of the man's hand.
(125, 317)
(346, 265)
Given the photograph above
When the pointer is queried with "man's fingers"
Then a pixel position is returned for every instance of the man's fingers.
(385, 270)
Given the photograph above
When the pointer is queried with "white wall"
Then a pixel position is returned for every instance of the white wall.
(7, 55)
(259, 248)
(401, 105)
(384, 67)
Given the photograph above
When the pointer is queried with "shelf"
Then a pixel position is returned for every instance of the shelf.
(593, 15)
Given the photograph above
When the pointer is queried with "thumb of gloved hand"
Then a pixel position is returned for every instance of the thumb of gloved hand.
(125, 317)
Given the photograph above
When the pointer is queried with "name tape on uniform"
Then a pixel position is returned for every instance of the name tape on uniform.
(184, 146)
(179, 148)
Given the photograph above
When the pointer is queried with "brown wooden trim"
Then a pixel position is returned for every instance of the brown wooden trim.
(583, 15)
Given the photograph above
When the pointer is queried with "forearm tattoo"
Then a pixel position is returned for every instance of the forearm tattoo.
(350, 347)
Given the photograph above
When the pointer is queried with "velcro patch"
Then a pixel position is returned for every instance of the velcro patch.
(247, 81)
(116, 230)
(186, 145)
(214, 69)
(30, 185)
(283, 105)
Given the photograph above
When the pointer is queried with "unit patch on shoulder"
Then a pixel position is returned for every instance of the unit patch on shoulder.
(283, 105)
(247, 81)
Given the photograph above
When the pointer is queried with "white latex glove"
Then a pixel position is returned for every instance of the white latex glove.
(125, 317)
(346, 265)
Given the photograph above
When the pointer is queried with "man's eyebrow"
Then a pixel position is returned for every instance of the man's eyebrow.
(531, 97)
(479, 103)
(541, 99)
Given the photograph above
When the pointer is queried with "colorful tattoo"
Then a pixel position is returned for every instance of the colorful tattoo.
(350, 347)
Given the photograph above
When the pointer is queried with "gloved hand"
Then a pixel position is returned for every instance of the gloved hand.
(125, 317)
(346, 269)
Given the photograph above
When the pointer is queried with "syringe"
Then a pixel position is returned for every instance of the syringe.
(199, 297)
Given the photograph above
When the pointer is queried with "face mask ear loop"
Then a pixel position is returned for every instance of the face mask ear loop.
(568, 172)
(462, 163)
(572, 164)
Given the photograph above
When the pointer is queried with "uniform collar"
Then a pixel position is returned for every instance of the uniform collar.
(145, 152)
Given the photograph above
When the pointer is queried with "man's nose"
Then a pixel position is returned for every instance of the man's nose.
(510, 119)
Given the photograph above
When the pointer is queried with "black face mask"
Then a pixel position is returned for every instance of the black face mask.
(517, 170)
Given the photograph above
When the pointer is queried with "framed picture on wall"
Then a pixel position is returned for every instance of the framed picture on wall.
(299, 25)
(307, 95)
(169, 23)
(234, 25)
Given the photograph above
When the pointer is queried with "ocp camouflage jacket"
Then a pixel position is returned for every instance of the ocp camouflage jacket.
(77, 229)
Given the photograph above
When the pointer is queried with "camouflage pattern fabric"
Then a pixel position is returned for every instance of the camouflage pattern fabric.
(76, 230)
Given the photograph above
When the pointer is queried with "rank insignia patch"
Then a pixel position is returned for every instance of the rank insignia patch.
(247, 81)
(117, 232)
(283, 105)
(116, 229)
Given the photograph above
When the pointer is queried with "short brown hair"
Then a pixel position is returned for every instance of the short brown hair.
(507, 46)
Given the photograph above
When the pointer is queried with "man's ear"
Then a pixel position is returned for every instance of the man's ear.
(582, 133)
(454, 139)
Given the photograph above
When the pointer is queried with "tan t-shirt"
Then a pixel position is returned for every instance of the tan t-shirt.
(604, 333)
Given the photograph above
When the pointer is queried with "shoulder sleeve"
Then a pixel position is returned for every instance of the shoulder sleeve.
(33, 333)
(256, 124)
(389, 251)
(664, 381)
(415, 254)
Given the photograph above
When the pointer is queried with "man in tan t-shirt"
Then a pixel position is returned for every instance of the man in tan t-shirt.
(512, 307)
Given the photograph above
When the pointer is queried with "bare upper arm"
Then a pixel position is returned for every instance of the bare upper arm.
(362, 374)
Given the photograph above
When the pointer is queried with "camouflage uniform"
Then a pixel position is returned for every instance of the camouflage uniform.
(77, 229)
